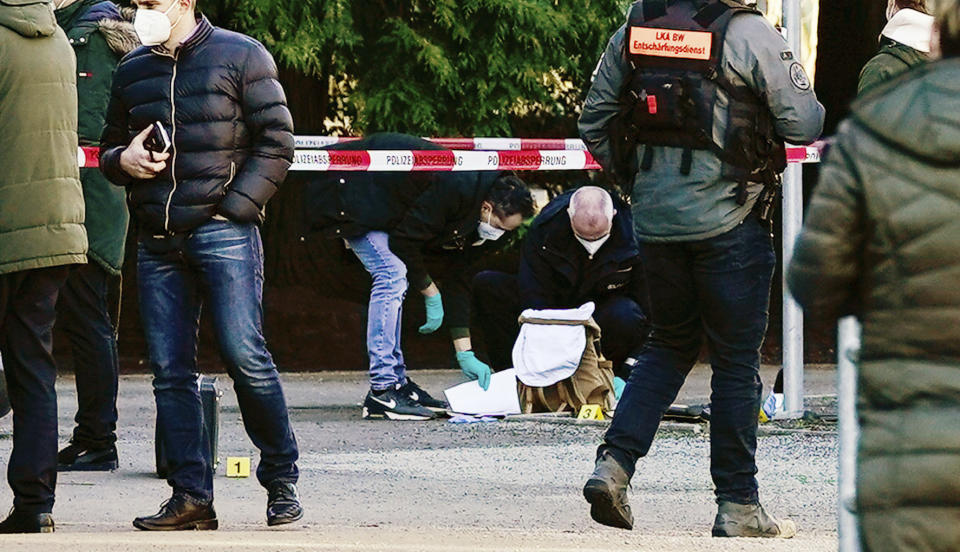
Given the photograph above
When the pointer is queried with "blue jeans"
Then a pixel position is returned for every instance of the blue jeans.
(387, 368)
(718, 289)
(220, 263)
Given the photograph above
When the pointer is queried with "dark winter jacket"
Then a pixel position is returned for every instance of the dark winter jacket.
(100, 36)
(426, 213)
(226, 114)
(556, 271)
(882, 241)
(892, 59)
(41, 202)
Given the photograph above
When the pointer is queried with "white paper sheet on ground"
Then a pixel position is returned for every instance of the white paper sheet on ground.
(499, 399)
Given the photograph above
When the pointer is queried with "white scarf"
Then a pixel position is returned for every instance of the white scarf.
(910, 28)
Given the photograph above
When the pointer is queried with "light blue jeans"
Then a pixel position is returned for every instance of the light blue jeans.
(387, 368)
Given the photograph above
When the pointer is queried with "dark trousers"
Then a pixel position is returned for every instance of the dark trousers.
(718, 289)
(84, 316)
(27, 312)
(496, 297)
(220, 267)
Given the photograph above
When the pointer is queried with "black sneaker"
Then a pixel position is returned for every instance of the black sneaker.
(76, 457)
(393, 405)
(418, 395)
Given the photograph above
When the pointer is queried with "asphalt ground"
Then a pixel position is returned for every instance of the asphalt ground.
(432, 486)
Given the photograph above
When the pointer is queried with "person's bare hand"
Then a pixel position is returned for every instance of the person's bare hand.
(140, 163)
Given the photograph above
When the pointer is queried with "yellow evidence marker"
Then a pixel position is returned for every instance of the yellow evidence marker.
(590, 412)
(238, 466)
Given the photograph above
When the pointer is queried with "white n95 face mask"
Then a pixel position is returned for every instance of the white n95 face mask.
(488, 231)
(152, 26)
(592, 246)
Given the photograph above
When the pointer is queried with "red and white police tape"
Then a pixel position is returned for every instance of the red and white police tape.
(504, 154)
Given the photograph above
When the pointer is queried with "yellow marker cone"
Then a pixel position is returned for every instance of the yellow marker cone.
(590, 412)
(238, 466)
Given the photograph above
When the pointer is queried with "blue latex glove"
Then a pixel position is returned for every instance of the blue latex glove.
(618, 386)
(474, 368)
(434, 314)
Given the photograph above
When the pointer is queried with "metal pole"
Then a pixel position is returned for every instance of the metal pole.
(792, 221)
(848, 352)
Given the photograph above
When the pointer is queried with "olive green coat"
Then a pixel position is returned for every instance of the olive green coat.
(41, 203)
(882, 241)
(892, 59)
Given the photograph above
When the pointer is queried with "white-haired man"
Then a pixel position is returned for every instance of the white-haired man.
(580, 248)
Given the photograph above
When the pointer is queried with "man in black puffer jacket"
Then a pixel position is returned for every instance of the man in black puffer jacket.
(197, 206)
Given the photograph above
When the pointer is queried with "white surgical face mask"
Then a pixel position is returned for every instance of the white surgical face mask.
(592, 246)
(152, 26)
(488, 231)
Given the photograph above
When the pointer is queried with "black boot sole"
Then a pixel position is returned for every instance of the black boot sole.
(603, 509)
(273, 522)
(101, 466)
(198, 525)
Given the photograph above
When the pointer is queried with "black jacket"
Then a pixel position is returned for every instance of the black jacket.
(432, 213)
(556, 272)
(220, 101)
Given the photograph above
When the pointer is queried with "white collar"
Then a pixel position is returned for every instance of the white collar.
(910, 28)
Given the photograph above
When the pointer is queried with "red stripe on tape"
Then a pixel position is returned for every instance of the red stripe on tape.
(91, 156)
(454, 143)
(427, 160)
(519, 160)
(341, 160)
(796, 154)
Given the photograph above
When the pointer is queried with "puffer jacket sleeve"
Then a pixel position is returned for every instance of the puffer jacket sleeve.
(114, 138)
(823, 274)
(271, 127)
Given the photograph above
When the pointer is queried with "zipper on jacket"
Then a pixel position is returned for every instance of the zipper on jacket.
(173, 144)
(233, 172)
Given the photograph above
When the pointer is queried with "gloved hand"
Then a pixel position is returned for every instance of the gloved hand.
(434, 314)
(474, 368)
(618, 386)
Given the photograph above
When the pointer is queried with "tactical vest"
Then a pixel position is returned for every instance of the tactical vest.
(675, 48)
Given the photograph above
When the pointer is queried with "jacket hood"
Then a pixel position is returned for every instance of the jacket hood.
(910, 28)
(30, 18)
(918, 112)
(119, 32)
(88, 16)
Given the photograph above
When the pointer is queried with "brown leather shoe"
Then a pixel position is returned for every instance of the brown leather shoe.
(181, 513)
(750, 520)
(606, 491)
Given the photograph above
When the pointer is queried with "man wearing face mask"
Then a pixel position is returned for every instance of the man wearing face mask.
(198, 205)
(904, 43)
(580, 248)
(392, 221)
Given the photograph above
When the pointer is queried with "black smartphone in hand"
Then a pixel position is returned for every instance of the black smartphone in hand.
(158, 141)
